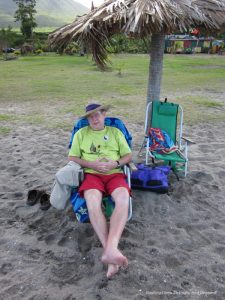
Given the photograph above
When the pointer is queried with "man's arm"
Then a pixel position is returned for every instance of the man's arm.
(100, 165)
(97, 165)
(83, 163)
(125, 159)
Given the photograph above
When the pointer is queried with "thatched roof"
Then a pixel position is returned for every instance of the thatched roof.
(139, 18)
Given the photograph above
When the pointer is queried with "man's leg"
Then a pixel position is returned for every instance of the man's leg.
(112, 254)
(93, 199)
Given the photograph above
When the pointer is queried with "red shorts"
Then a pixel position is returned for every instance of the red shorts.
(104, 183)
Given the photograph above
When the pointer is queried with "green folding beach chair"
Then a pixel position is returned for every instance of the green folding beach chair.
(169, 118)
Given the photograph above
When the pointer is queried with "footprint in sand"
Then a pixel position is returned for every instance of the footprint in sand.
(153, 264)
(220, 251)
(63, 273)
(6, 268)
(70, 297)
(67, 240)
(50, 239)
(84, 241)
(103, 283)
(172, 262)
(34, 253)
(186, 285)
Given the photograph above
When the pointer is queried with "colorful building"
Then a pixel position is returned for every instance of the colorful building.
(187, 44)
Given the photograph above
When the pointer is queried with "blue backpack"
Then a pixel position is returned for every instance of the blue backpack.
(80, 207)
(151, 178)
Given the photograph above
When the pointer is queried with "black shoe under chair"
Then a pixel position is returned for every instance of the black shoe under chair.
(45, 202)
(34, 196)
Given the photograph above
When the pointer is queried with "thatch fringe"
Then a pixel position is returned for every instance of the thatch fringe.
(139, 18)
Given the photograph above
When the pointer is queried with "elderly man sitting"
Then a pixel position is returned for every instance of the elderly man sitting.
(102, 151)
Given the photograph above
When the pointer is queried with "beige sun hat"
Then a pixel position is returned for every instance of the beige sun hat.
(93, 107)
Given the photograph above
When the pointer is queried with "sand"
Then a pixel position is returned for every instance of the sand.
(175, 242)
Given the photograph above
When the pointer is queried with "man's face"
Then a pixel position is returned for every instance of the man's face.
(97, 120)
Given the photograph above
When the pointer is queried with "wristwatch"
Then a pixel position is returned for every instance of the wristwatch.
(118, 165)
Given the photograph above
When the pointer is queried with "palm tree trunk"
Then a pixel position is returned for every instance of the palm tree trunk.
(155, 67)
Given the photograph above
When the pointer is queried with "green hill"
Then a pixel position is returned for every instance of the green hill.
(50, 13)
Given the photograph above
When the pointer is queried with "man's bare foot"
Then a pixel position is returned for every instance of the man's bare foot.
(115, 257)
(112, 270)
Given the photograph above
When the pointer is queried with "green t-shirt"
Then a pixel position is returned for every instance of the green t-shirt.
(90, 145)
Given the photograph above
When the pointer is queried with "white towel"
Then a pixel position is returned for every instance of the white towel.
(66, 178)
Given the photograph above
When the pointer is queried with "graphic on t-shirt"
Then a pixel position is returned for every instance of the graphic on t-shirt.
(95, 149)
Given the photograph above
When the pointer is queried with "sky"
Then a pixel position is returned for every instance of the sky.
(88, 2)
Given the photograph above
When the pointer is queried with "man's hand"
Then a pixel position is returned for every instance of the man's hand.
(103, 165)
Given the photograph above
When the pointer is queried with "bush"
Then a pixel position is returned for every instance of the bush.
(39, 51)
(10, 38)
(121, 43)
(188, 51)
(72, 48)
(205, 49)
(17, 52)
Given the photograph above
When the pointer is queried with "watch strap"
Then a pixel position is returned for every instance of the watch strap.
(118, 164)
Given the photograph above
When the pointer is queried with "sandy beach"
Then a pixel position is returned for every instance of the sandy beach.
(175, 242)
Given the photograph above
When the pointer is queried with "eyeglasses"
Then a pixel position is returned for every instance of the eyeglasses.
(95, 115)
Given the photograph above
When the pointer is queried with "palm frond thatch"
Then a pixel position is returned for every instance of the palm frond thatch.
(139, 18)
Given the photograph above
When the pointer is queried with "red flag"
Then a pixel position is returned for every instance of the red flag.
(195, 31)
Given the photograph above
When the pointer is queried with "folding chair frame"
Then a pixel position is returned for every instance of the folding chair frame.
(181, 142)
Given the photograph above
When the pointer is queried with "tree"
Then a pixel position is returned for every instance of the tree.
(6, 37)
(141, 18)
(25, 14)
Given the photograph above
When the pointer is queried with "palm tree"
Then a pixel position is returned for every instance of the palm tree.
(141, 18)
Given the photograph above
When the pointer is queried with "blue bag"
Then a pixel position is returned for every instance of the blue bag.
(151, 178)
(80, 207)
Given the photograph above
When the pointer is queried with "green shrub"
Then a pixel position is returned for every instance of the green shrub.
(72, 48)
(188, 51)
(205, 49)
(128, 44)
(17, 52)
(39, 51)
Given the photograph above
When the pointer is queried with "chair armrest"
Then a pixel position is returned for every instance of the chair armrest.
(188, 140)
(132, 166)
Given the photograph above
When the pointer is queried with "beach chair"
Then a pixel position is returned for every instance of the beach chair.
(79, 204)
(168, 117)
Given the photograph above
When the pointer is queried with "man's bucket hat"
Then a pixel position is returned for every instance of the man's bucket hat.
(94, 107)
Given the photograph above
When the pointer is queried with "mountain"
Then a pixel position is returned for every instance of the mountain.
(50, 13)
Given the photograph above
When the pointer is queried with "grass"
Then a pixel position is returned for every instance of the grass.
(6, 118)
(37, 29)
(4, 130)
(45, 29)
(204, 102)
(51, 90)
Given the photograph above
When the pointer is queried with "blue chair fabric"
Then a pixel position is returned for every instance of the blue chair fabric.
(79, 203)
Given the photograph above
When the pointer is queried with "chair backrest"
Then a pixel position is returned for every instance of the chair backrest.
(164, 116)
(109, 121)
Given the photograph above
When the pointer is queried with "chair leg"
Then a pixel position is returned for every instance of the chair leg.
(185, 169)
(130, 209)
(146, 157)
(186, 157)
